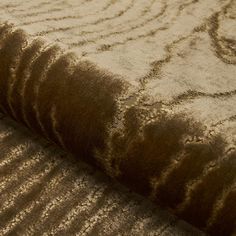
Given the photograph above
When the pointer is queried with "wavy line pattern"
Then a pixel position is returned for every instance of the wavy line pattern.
(59, 18)
(179, 161)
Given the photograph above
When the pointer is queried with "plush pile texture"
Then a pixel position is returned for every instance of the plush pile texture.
(143, 90)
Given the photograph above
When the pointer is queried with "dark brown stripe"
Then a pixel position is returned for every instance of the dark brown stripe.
(197, 156)
(199, 207)
(225, 223)
(9, 53)
(22, 74)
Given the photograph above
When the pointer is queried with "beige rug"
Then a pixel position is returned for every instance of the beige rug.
(144, 90)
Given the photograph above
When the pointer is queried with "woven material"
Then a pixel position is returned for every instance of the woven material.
(45, 191)
(144, 90)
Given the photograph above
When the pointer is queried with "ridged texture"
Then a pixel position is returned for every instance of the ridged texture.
(146, 91)
(44, 191)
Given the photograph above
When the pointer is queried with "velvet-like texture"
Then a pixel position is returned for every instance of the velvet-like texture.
(172, 141)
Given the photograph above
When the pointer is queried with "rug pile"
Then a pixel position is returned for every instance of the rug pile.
(143, 90)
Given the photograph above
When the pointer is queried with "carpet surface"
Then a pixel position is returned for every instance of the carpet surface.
(143, 90)
(45, 191)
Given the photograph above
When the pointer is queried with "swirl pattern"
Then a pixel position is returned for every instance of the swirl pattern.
(144, 90)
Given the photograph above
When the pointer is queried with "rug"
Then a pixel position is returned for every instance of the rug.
(142, 90)
(45, 191)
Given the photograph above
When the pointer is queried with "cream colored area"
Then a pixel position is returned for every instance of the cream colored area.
(193, 66)
(134, 32)
(188, 70)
